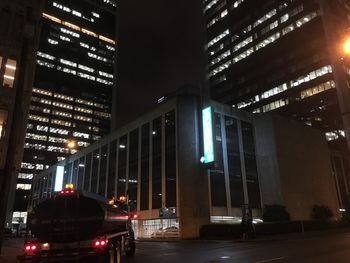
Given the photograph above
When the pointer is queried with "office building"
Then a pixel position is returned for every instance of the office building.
(154, 162)
(19, 37)
(73, 86)
(285, 57)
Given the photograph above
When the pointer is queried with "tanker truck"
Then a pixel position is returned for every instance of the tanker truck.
(78, 226)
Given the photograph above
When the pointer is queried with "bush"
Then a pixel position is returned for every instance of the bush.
(321, 213)
(275, 213)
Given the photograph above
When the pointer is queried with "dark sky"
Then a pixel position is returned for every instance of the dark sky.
(161, 49)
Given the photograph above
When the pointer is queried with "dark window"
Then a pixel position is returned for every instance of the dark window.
(170, 159)
(103, 170)
(112, 168)
(145, 144)
(133, 168)
(217, 175)
(75, 173)
(95, 162)
(87, 172)
(157, 163)
(122, 167)
(81, 170)
(250, 165)
(234, 162)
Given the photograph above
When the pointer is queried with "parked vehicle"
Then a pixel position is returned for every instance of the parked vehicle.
(77, 225)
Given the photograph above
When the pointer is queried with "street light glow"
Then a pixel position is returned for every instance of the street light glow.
(71, 144)
(346, 46)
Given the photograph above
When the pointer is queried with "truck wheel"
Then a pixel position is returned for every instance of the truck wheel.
(130, 251)
(114, 253)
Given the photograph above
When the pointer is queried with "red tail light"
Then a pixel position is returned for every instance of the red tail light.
(100, 243)
(30, 248)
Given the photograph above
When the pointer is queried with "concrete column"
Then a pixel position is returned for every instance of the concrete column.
(193, 193)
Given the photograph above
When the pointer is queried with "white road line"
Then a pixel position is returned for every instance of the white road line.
(269, 260)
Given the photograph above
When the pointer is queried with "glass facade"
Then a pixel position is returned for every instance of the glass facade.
(252, 65)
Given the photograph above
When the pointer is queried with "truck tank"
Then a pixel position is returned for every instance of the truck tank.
(77, 216)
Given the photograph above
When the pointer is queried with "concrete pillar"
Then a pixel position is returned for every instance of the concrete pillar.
(193, 193)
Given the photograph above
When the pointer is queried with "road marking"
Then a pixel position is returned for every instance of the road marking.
(269, 260)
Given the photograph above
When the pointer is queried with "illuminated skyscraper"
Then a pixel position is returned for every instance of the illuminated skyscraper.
(19, 38)
(73, 86)
(286, 57)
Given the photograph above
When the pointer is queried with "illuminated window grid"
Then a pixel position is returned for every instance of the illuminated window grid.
(77, 28)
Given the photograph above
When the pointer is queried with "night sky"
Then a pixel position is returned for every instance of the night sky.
(161, 49)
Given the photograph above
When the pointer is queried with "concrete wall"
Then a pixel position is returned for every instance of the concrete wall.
(295, 158)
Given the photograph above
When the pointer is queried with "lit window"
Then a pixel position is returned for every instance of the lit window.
(42, 128)
(62, 105)
(85, 110)
(67, 62)
(45, 64)
(59, 131)
(42, 91)
(84, 102)
(218, 38)
(64, 97)
(95, 14)
(66, 31)
(61, 122)
(52, 42)
(61, 113)
(44, 55)
(84, 45)
(65, 38)
(82, 118)
(81, 135)
(86, 76)
(85, 68)
(10, 70)
(104, 74)
(71, 26)
(265, 17)
(36, 137)
(24, 186)
(88, 32)
(38, 118)
(76, 13)
(3, 120)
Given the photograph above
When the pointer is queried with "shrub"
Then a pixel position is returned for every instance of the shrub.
(321, 213)
(275, 213)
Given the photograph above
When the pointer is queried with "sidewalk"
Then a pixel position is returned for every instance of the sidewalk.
(298, 235)
(11, 249)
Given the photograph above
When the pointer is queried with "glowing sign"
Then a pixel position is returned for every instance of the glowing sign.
(59, 178)
(208, 141)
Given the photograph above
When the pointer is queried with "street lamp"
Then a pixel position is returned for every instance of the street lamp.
(71, 144)
(346, 46)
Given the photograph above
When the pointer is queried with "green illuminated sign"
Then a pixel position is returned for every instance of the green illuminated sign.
(208, 140)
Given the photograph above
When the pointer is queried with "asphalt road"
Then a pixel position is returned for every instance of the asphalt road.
(314, 247)
(325, 247)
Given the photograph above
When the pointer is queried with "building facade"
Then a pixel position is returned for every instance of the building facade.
(155, 163)
(286, 57)
(17, 64)
(73, 87)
